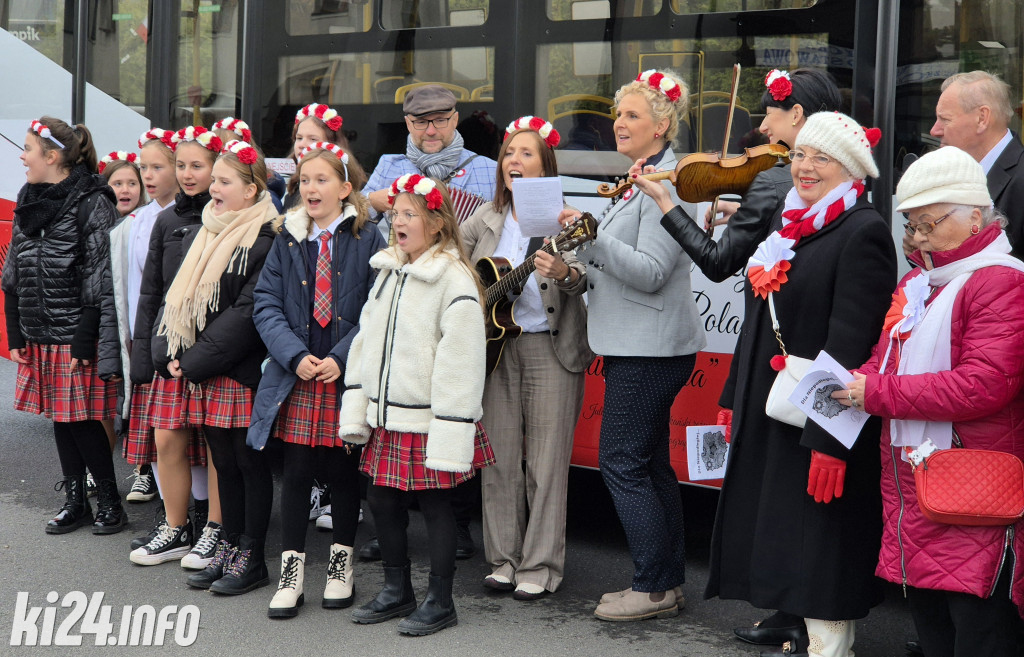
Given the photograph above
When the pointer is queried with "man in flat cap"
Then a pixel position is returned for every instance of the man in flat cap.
(435, 149)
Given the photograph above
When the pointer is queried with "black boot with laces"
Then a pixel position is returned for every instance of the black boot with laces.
(110, 515)
(76, 511)
(248, 570)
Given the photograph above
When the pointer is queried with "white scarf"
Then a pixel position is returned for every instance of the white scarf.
(928, 349)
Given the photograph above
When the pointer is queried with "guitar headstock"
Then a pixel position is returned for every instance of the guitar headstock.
(580, 231)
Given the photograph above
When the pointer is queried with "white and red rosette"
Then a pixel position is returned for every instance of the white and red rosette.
(197, 133)
(330, 117)
(237, 126)
(414, 183)
(43, 131)
(662, 83)
(779, 84)
(243, 150)
(768, 266)
(158, 134)
(326, 146)
(544, 128)
(117, 155)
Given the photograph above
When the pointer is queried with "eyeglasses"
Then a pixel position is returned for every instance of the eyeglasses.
(391, 215)
(818, 161)
(421, 124)
(925, 227)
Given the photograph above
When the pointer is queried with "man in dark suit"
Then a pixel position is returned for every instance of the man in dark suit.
(973, 114)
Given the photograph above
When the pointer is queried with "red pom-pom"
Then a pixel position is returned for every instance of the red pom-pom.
(334, 124)
(874, 135)
(247, 135)
(434, 199)
(216, 145)
(247, 156)
(778, 363)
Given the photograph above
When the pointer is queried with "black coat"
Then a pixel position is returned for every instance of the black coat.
(1006, 187)
(53, 278)
(751, 224)
(162, 261)
(229, 344)
(773, 545)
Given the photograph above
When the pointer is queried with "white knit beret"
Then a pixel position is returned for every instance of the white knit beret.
(843, 139)
(948, 175)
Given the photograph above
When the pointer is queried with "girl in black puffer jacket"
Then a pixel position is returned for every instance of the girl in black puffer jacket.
(53, 287)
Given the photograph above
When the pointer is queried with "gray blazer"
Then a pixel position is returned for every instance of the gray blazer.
(567, 314)
(639, 299)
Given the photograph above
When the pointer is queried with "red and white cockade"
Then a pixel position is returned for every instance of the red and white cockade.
(43, 131)
(779, 84)
(414, 183)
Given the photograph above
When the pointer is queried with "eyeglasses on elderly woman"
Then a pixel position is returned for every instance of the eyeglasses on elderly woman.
(818, 161)
(925, 227)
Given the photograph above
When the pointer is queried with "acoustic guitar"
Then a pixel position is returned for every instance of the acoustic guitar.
(504, 284)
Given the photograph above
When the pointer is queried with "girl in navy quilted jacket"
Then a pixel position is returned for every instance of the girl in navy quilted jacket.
(314, 284)
(53, 287)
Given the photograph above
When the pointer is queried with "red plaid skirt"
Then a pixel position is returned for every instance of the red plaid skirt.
(395, 459)
(139, 447)
(224, 403)
(47, 386)
(309, 416)
(173, 404)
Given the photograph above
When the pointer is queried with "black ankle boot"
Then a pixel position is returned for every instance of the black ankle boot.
(110, 515)
(248, 570)
(76, 511)
(215, 569)
(200, 514)
(436, 612)
(395, 599)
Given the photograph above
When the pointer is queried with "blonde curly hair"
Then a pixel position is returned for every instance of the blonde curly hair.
(662, 107)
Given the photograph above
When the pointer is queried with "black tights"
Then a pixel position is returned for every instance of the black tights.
(390, 508)
(244, 483)
(83, 444)
(341, 471)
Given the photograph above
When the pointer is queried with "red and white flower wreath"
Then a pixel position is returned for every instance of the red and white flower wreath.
(117, 155)
(205, 138)
(330, 117)
(243, 150)
(327, 146)
(43, 131)
(544, 128)
(414, 183)
(158, 134)
(662, 83)
(237, 126)
(779, 83)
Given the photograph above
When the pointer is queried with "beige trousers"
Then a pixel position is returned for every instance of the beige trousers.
(531, 404)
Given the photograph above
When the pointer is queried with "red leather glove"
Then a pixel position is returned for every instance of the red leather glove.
(826, 477)
(725, 418)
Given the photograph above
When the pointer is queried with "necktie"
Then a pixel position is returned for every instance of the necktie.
(322, 292)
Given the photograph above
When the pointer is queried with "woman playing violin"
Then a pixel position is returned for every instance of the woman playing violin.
(644, 322)
(533, 398)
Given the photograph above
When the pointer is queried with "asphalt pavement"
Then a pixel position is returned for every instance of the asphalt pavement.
(71, 570)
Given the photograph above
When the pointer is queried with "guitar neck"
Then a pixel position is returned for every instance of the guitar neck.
(516, 277)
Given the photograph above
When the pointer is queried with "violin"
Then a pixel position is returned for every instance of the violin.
(701, 177)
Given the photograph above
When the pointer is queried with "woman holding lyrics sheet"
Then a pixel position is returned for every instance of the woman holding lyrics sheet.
(533, 397)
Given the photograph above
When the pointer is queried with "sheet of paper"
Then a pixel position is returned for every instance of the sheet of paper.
(538, 202)
(707, 453)
(813, 396)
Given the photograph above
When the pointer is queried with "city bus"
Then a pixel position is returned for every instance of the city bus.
(176, 62)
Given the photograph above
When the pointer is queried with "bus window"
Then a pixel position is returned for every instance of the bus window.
(575, 10)
(405, 14)
(328, 16)
(712, 6)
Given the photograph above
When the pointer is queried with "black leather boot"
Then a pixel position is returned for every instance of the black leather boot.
(248, 570)
(395, 599)
(215, 569)
(76, 511)
(436, 612)
(110, 515)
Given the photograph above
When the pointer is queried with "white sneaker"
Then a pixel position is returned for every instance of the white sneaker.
(169, 544)
(317, 495)
(143, 488)
(325, 522)
(200, 556)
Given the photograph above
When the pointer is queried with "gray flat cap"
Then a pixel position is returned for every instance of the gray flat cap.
(428, 99)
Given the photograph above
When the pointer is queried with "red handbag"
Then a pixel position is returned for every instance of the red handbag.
(974, 487)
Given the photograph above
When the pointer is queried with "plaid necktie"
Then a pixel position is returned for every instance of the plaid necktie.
(322, 294)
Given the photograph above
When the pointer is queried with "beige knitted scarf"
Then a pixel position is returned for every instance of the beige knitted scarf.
(221, 246)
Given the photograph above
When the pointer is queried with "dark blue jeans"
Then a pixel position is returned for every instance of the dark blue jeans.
(634, 459)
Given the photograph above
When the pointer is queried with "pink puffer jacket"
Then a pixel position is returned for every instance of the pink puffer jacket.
(982, 394)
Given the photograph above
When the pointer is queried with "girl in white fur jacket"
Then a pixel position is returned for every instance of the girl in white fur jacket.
(414, 386)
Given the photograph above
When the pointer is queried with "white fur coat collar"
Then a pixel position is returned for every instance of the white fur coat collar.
(299, 224)
(428, 268)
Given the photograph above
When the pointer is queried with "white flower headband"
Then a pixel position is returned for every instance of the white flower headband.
(330, 117)
(117, 155)
(157, 134)
(43, 131)
(661, 82)
(237, 126)
(243, 149)
(544, 128)
(414, 183)
(205, 138)
(327, 146)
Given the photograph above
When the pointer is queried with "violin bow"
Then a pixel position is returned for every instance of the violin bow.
(728, 132)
